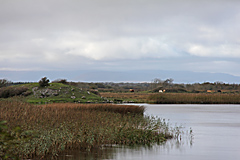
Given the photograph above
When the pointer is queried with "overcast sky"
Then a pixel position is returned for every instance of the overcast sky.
(181, 35)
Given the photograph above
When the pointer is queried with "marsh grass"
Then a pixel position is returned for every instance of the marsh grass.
(194, 98)
(59, 127)
(177, 98)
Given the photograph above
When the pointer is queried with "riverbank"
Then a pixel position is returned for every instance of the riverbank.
(54, 128)
(175, 98)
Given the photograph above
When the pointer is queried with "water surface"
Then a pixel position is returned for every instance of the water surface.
(216, 130)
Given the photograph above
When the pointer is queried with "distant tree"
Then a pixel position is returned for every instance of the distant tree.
(44, 82)
(168, 81)
(63, 81)
(156, 80)
(155, 83)
(4, 82)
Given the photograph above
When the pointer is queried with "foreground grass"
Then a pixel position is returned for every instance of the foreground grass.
(57, 127)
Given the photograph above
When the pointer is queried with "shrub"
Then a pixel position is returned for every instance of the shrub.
(44, 82)
(63, 81)
(4, 83)
(13, 91)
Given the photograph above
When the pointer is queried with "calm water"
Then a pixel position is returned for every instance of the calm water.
(216, 130)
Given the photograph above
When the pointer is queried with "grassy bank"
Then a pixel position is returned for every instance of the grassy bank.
(175, 98)
(57, 127)
(54, 93)
(194, 98)
(136, 97)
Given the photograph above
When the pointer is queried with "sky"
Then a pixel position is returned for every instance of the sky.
(120, 35)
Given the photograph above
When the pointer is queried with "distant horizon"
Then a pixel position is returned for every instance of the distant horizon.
(131, 76)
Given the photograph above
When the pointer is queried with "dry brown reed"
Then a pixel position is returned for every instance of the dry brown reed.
(68, 125)
(194, 98)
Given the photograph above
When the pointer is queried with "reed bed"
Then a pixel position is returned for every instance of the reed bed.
(58, 127)
(194, 98)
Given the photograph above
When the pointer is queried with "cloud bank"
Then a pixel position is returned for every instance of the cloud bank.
(109, 34)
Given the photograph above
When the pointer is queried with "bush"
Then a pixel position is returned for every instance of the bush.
(6, 92)
(178, 90)
(63, 81)
(11, 140)
(44, 82)
(4, 83)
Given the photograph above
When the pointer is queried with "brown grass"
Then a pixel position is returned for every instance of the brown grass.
(195, 98)
(177, 98)
(68, 125)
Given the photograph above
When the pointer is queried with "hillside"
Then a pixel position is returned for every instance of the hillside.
(55, 92)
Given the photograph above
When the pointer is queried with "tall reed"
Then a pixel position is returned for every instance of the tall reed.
(67, 126)
(194, 98)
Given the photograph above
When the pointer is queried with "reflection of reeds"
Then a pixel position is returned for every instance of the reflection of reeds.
(63, 126)
(194, 98)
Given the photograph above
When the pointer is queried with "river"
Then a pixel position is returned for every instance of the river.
(215, 130)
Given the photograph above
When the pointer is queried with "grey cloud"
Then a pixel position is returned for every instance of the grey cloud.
(94, 33)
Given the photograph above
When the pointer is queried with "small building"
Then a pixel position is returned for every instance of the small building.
(131, 90)
(209, 91)
(161, 91)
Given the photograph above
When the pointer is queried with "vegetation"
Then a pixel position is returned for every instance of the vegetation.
(84, 126)
(10, 140)
(194, 98)
(4, 83)
(127, 97)
(7, 92)
(44, 82)
(61, 90)
(54, 93)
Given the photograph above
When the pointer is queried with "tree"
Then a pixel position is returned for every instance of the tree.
(155, 83)
(4, 82)
(44, 82)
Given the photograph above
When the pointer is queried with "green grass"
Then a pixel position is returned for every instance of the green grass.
(64, 93)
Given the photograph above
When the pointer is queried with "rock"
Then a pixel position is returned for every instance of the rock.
(55, 94)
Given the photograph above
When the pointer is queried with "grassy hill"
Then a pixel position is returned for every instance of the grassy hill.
(54, 93)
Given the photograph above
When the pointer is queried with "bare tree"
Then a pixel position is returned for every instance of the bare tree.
(4, 82)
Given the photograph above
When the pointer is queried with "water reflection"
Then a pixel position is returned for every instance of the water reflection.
(119, 152)
(95, 154)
